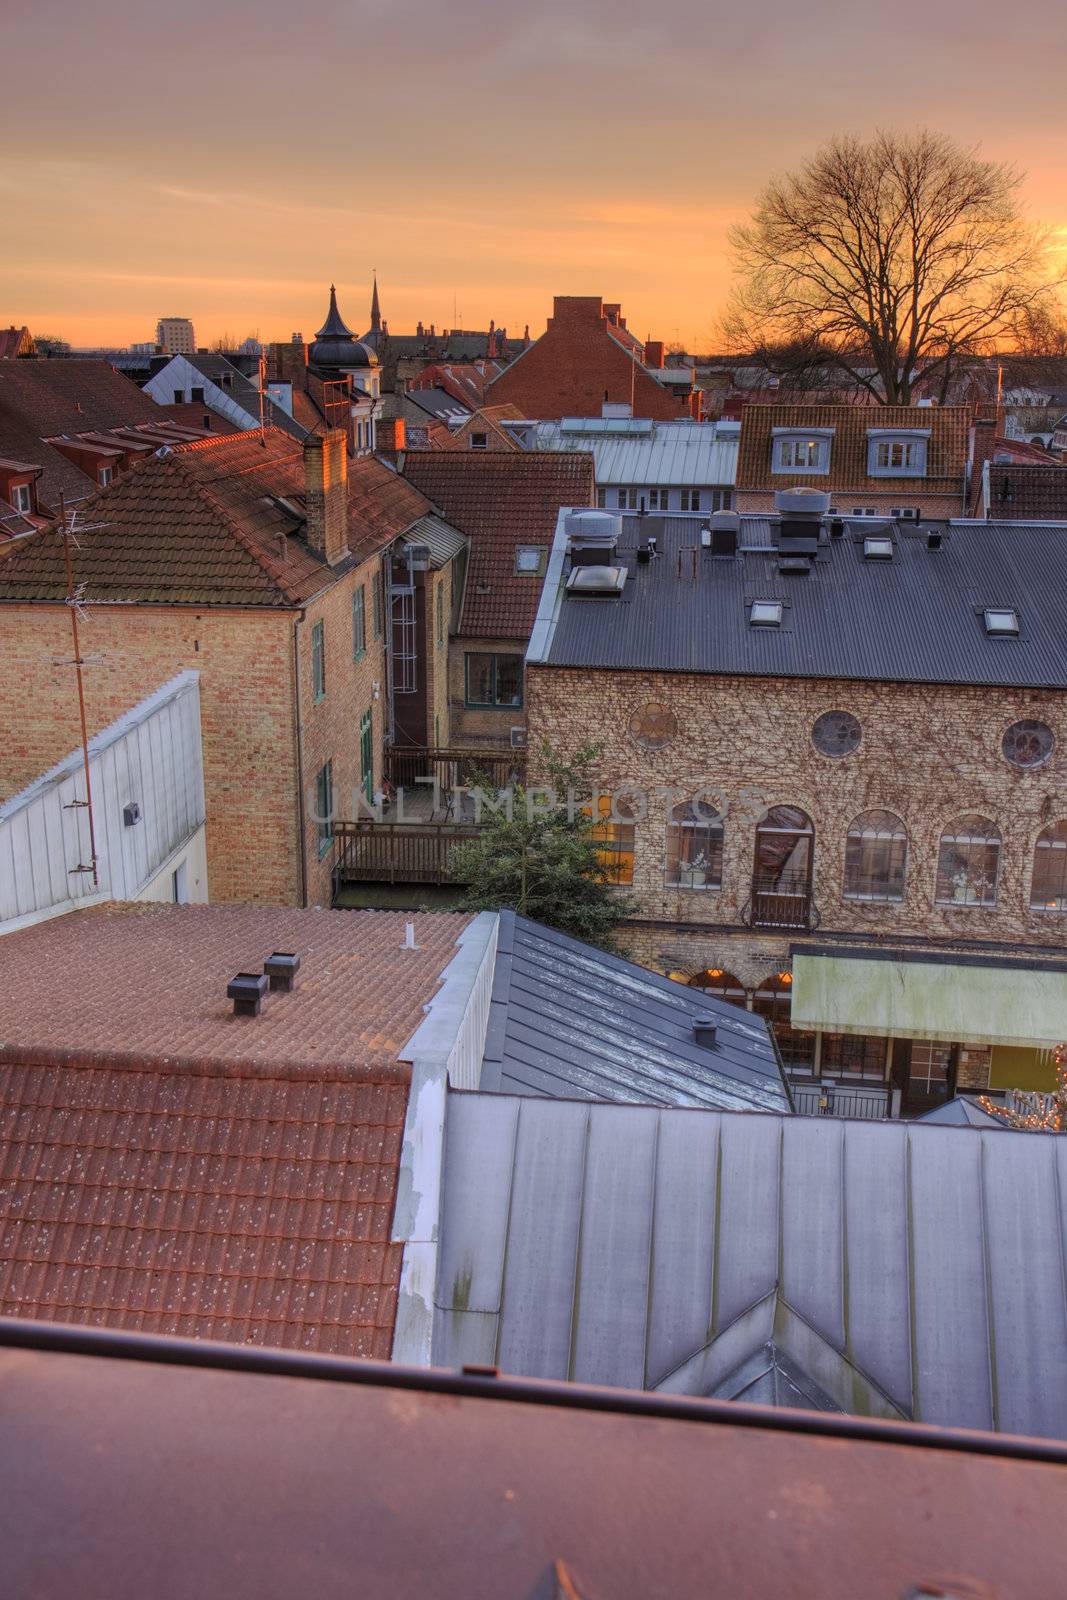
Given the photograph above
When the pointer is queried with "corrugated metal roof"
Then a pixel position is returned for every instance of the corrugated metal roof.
(916, 618)
(569, 1020)
(443, 540)
(903, 1270)
(638, 452)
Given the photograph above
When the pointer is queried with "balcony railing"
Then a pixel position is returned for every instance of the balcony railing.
(781, 903)
(822, 1097)
(410, 768)
(396, 852)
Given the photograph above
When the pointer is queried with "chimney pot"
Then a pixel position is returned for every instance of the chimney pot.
(281, 969)
(246, 991)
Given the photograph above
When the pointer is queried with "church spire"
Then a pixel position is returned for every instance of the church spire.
(334, 326)
(375, 309)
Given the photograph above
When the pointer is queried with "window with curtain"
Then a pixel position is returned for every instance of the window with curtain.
(968, 863)
(694, 846)
(615, 839)
(876, 857)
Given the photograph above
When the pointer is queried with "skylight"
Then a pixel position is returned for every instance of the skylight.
(1001, 623)
(877, 549)
(766, 614)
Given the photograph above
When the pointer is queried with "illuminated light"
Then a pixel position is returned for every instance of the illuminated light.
(785, 977)
(715, 972)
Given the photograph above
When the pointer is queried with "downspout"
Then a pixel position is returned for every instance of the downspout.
(301, 819)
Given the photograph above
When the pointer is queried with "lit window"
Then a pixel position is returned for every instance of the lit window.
(968, 863)
(876, 856)
(615, 840)
(801, 451)
(766, 614)
(1001, 623)
(1048, 892)
(694, 846)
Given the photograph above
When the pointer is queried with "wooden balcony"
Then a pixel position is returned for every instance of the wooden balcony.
(412, 770)
(396, 852)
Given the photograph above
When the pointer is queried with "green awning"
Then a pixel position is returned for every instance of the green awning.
(914, 999)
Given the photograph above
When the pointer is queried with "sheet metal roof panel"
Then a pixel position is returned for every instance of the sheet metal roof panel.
(442, 539)
(916, 618)
(659, 454)
(570, 1020)
(904, 1268)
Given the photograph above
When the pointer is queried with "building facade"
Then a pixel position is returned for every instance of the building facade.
(176, 336)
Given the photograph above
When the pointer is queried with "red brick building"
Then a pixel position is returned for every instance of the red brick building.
(585, 360)
(259, 564)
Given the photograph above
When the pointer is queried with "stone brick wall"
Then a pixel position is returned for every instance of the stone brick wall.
(929, 754)
(931, 506)
(246, 697)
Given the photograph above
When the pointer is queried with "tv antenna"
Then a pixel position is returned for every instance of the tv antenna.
(79, 613)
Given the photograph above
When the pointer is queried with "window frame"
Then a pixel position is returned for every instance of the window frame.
(541, 552)
(495, 703)
(318, 661)
(892, 830)
(18, 490)
(366, 747)
(1051, 839)
(953, 834)
(324, 807)
(359, 622)
(377, 608)
(680, 836)
(787, 441)
(689, 499)
(439, 614)
(907, 440)
(479, 441)
(616, 844)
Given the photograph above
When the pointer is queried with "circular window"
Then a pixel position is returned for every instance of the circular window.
(653, 727)
(836, 733)
(1028, 744)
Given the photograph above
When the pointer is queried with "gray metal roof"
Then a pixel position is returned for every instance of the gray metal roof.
(961, 1112)
(639, 452)
(443, 540)
(568, 1020)
(916, 618)
(895, 1269)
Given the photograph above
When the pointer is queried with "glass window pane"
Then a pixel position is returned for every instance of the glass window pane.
(479, 680)
(509, 680)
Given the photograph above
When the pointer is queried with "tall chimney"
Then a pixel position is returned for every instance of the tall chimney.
(654, 354)
(390, 437)
(326, 494)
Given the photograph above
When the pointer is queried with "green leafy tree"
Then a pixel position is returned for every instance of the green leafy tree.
(542, 857)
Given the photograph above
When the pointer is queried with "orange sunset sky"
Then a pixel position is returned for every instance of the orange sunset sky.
(227, 161)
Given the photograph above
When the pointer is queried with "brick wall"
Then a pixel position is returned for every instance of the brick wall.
(475, 727)
(845, 500)
(928, 754)
(246, 695)
(331, 725)
(574, 364)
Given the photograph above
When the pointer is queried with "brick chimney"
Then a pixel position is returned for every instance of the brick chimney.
(988, 423)
(288, 363)
(654, 353)
(326, 493)
(390, 436)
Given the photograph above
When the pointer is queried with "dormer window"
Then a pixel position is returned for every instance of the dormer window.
(805, 450)
(897, 453)
(104, 476)
(479, 441)
(22, 498)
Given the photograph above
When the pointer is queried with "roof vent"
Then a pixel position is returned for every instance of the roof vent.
(725, 527)
(592, 536)
(800, 512)
(247, 991)
(281, 969)
(597, 580)
(704, 1032)
(934, 541)
(878, 548)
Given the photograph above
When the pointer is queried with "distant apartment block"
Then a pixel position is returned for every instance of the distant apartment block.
(176, 336)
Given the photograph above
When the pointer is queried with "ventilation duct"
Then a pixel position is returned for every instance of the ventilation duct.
(592, 537)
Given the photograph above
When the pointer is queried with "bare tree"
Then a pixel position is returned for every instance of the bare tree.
(898, 254)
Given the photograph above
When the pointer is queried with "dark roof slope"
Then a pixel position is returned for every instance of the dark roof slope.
(1028, 492)
(196, 526)
(567, 1020)
(381, 505)
(961, 1112)
(902, 1271)
(501, 500)
(232, 381)
(946, 453)
(916, 618)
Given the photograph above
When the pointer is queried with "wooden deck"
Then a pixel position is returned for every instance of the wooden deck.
(396, 852)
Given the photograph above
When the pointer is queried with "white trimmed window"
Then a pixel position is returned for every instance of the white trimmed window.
(22, 497)
(801, 450)
(896, 454)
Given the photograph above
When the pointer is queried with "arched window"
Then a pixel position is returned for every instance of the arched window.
(968, 863)
(1048, 891)
(772, 1000)
(876, 857)
(781, 874)
(723, 985)
(694, 846)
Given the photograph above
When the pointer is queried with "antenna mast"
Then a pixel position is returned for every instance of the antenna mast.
(74, 605)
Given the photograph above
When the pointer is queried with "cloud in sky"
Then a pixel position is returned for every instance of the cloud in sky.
(242, 157)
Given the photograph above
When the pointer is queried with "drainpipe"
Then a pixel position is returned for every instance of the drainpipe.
(301, 820)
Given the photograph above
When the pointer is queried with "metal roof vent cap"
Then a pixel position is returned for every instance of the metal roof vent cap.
(281, 969)
(705, 1032)
(246, 991)
(725, 528)
(592, 536)
(802, 504)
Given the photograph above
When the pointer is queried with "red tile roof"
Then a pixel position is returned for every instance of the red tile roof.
(1021, 492)
(13, 341)
(167, 1166)
(946, 452)
(501, 501)
(196, 526)
(381, 505)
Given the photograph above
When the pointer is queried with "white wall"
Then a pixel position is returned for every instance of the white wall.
(150, 757)
(193, 857)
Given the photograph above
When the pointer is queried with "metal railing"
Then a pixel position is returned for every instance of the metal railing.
(781, 903)
(821, 1097)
